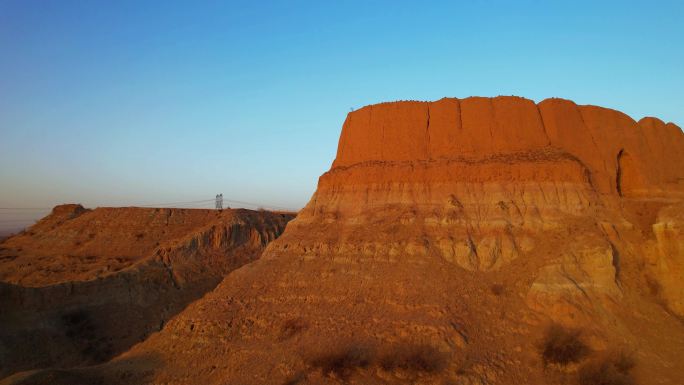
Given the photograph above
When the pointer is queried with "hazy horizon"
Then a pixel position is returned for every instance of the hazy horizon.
(119, 104)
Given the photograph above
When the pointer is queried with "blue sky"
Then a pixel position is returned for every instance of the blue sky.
(143, 102)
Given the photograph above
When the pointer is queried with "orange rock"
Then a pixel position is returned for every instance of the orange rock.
(443, 240)
(81, 286)
(480, 128)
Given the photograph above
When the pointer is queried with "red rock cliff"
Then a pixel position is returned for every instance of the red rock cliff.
(445, 238)
(622, 155)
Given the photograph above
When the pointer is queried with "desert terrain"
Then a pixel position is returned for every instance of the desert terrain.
(81, 286)
(460, 241)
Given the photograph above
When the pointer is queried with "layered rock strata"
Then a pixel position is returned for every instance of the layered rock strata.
(445, 239)
(81, 285)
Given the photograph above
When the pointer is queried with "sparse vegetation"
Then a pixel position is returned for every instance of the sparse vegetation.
(292, 327)
(653, 286)
(414, 358)
(562, 346)
(409, 358)
(612, 369)
(497, 289)
(466, 365)
(342, 362)
(8, 257)
(296, 379)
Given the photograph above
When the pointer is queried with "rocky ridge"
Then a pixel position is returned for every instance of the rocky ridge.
(82, 285)
(444, 241)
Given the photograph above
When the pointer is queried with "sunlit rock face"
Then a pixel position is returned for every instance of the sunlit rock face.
(475, 179)
(452, 233)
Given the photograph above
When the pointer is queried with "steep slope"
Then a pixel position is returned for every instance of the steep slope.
(442, 246)
(83, 285)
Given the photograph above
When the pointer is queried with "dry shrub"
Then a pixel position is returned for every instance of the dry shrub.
(466, 365)
(613, 369)
(296, 379)
(342, 362)
(562, 346)
(414, 358)
(292, 327)
(653, 286)
(411, 358)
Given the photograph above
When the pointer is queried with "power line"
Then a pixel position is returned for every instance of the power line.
(161, 205)
(207, 201)
(260, 205)
(175, 203)
(25, 208)
(147, 205)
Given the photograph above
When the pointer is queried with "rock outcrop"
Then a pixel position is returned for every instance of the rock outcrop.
(81, 285)
(621, 155)
(445, 238)
(669, 256)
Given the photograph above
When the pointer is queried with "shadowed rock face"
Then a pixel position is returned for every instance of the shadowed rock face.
(84, 285)
(445, 238)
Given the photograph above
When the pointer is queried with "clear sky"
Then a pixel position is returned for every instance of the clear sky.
(144, 102)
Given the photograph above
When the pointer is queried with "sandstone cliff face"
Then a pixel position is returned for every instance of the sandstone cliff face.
(669, 256)
(481, 174)
(445, 238)
(83, 285)
(619, 153)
